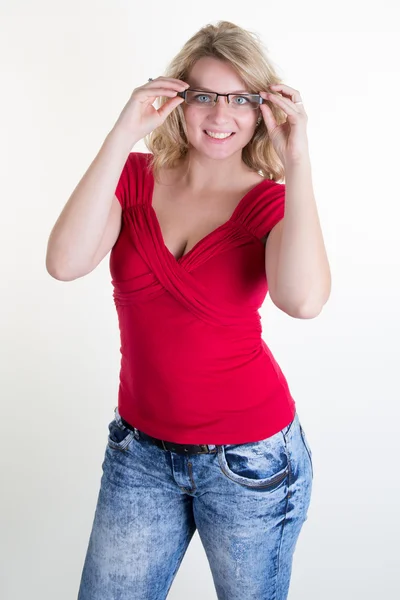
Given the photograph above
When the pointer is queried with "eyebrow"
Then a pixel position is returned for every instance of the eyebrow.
(204, 89)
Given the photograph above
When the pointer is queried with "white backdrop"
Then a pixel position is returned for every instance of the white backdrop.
(67, 70)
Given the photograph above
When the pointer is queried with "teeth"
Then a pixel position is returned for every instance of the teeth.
(218, 135)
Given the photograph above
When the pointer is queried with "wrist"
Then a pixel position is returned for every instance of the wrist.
(302, 163)
(122, 136)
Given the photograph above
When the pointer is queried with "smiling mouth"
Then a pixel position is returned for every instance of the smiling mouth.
(218, 136)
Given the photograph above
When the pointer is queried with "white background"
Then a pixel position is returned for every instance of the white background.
(67, 70)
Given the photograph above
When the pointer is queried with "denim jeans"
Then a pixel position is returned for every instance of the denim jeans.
(247, 501)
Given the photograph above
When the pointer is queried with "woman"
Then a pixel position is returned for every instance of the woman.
(205, 435)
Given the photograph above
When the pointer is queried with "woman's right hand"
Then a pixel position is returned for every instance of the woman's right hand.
(139, 117)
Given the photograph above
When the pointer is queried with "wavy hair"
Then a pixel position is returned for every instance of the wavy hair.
(244, 51)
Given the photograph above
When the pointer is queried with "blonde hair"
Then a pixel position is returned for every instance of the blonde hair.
(244, 51)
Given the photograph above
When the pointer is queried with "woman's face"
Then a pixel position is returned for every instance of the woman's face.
(210, 74)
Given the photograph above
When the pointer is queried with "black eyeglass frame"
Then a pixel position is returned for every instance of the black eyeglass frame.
(260, 100)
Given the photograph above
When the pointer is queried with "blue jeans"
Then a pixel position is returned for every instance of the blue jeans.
(247, 501)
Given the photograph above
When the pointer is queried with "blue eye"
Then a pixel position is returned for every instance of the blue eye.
(243, 98)
(202, 95)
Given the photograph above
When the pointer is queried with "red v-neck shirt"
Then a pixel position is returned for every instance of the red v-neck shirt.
(194, 367)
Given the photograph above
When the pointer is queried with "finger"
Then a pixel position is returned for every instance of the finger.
(179, 86)
(160, 90)
(268, 117)
(281, 86)
(146, 93)
(168, 80)
(287, 92)
(169, 106)
(284, 103)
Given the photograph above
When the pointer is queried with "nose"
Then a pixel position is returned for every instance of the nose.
(221, 107)
(222, 101)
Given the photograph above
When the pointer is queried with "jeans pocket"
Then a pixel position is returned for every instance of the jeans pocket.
(262, 464)
(119, 436)
(307, 447)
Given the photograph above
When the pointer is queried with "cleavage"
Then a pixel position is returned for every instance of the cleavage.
(184, 223)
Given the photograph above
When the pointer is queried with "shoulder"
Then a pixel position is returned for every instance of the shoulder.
(134, 180)
(138, 165)
(139, 158)
(263, 207)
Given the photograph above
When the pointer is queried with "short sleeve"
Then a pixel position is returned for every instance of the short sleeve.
(275, 210)
(266, 207)
(124, 186)
(134, 180)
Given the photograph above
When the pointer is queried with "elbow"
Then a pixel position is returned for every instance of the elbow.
(60, 268)
(52, 269)
(309, 312)
(314, 306)
(307, 309)
(61, 274)
(57, 275)
(299, 311)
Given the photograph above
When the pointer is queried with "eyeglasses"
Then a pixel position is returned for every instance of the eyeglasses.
(207, 99)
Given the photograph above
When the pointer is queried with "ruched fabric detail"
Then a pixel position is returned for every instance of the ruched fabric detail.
(190, 327)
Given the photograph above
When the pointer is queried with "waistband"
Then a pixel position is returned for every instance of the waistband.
(164, 444)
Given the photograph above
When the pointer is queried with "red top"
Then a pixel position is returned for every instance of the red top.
(194, 367)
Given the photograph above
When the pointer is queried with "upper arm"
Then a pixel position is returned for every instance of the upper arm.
(110, 235)
(272, 247)
(130, 180)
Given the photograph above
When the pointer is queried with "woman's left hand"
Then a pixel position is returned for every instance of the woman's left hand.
(290, 138)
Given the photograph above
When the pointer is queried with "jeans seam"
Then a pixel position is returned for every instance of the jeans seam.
(285, 519)
(307, 450)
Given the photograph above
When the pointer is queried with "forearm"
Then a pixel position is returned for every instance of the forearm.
(303, 272)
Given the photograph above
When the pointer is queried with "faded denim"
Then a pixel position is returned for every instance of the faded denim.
(247, 501)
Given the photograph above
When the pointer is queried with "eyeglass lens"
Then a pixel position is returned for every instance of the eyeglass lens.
(209, 99)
